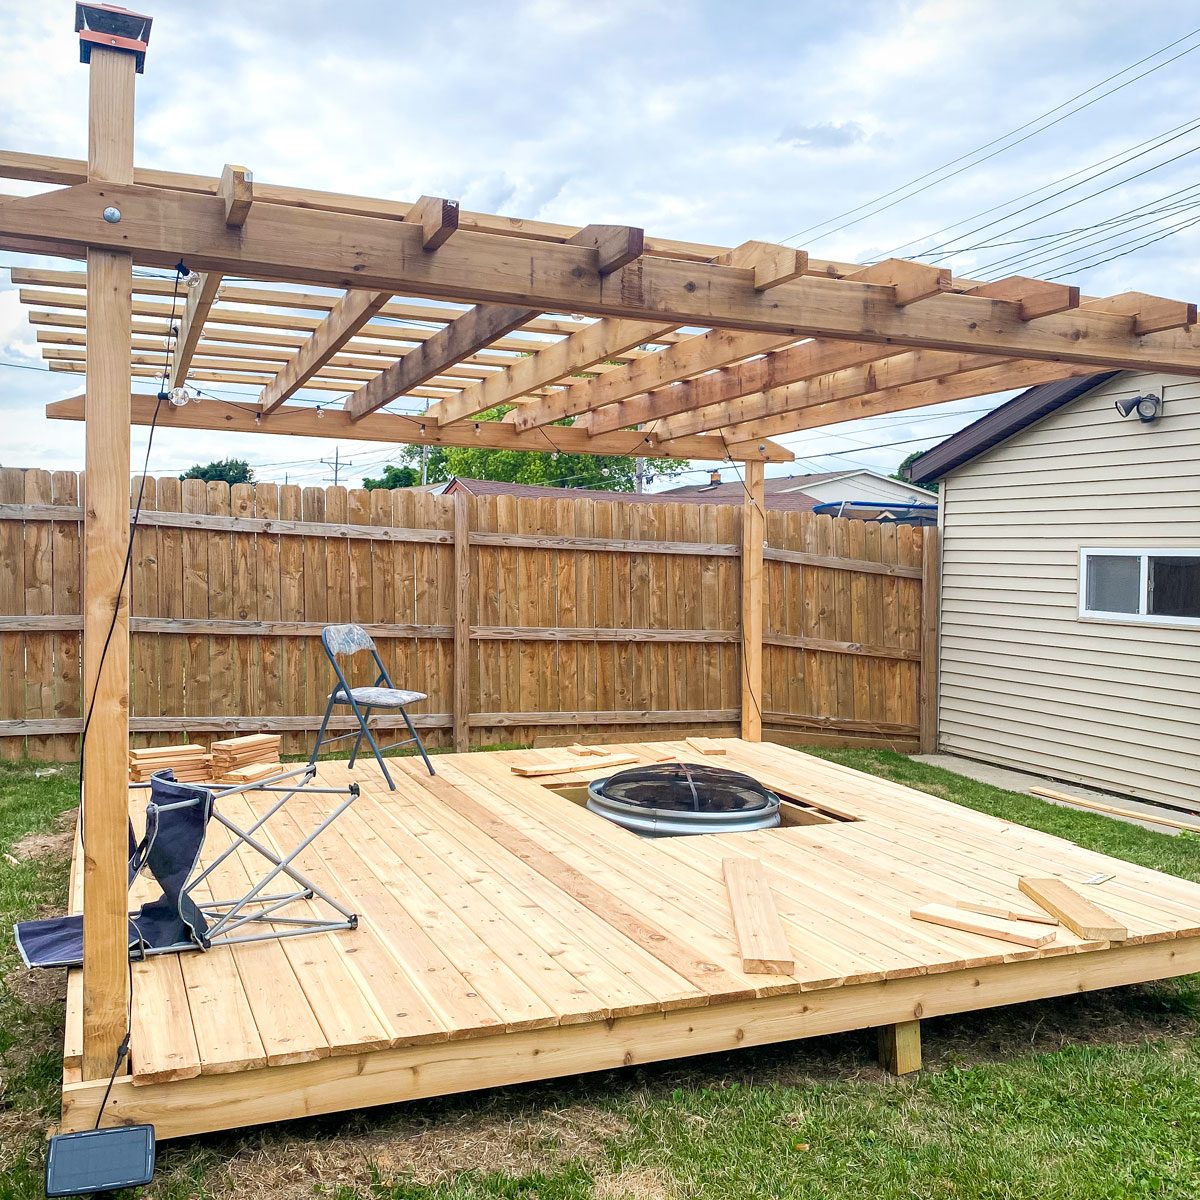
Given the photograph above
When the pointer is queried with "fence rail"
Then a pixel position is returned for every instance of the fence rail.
(521, 619)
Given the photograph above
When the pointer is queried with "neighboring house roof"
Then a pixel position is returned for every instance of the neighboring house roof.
(1000, 424)
(725, 493)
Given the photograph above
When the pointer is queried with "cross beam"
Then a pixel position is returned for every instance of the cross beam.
(158, 226)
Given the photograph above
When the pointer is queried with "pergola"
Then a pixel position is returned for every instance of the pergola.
(648, 346)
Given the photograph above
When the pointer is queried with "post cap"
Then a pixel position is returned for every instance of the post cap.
(112, 26)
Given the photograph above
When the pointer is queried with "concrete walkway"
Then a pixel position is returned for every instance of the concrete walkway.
(1022, 781)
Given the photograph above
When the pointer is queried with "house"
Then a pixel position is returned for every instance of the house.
(1070, 606)
(859, 493)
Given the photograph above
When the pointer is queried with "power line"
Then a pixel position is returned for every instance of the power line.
(995, 142)
(1160, 139)
(945, 253)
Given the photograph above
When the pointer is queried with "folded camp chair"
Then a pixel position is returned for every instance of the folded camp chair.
(184, 917)
(345, 641)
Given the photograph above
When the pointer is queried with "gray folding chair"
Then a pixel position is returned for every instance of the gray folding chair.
(343, 642)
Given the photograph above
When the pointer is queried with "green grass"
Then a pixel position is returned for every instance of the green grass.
(1092, 1097)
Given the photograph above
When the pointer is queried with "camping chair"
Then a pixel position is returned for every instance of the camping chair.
(178, 817)
(345, 641)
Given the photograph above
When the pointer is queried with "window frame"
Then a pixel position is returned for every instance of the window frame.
(1143, 554)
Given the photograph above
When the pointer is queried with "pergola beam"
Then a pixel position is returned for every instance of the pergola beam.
(697, 354)
(349, 315)
(300, 244)
(903, 397)
(480, 327)
(199, 303)
(612, 247)
(718, 396)
(883, 374)
(597, 342)
(302, 420)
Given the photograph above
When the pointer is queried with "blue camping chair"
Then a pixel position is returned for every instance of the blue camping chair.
(184, 917)
(343, 642)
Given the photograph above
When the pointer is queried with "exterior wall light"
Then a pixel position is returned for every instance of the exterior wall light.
(1148, 408)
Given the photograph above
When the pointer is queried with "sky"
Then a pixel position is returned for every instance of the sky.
(711, 121)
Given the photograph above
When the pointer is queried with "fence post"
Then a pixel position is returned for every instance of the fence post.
(462, 622)
(105, 590)
(753, 533)
(931, 594)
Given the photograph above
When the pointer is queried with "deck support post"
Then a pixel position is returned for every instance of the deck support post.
(900, 1047)
(105, 591)
(753, 535)
(931, 594)
(462, 623)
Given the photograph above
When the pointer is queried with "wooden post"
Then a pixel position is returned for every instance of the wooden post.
(931, 595)
(753, 535)
(900, 1047)
(105, 542)
(462, 622)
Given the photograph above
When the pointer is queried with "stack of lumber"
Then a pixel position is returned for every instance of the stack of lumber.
(190, 763)
(246, 759)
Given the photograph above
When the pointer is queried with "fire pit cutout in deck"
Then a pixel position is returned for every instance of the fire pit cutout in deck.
(671, 799)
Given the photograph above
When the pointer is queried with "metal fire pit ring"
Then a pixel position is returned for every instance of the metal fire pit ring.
(678, 799)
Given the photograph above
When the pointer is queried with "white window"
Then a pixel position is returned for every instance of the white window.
(1159, 587)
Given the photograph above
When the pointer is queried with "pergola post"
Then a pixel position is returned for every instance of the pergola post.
(753, 535)
(105, 594)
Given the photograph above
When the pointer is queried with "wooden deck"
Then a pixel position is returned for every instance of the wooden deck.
(508, 935)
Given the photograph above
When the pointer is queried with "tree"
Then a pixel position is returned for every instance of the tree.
(608, 473)
(900, 473)
(231, 470)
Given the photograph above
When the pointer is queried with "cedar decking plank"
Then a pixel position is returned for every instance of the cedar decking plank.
(337, 994)
(487, 809)
(572, 934)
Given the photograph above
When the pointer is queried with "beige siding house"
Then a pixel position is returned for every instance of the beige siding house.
(1070, 639)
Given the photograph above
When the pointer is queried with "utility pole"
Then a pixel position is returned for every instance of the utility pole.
(337, 464)
(424, 465)
(639, 475)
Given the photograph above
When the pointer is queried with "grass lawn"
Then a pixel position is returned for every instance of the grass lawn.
(1085, 1098)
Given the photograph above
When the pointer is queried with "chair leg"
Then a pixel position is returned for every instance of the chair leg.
(364, 728)
(362, 725)
(312, 760)
(417, 738)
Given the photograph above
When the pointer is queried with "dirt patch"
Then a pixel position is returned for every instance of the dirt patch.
(634, 1183)
(56, 844)
(37, 989)
(431, 1152)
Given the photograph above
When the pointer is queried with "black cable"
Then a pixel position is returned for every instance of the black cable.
(123, 1048)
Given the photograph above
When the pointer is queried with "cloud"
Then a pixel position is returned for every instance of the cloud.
(828, 135)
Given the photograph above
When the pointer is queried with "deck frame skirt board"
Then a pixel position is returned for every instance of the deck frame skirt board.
(508, 936)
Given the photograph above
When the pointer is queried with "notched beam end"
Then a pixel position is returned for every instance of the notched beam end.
(616, 245)
(1151, 314)
(437, 217)
(1033, 297)
(771, 263)
(237, 190)
(910, 281)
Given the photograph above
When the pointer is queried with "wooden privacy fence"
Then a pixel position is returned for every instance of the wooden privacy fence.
(521, 619)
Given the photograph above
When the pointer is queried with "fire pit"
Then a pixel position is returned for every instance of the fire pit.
(670, 799)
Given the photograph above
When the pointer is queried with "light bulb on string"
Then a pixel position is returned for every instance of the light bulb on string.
(320, 413)
(192, 280)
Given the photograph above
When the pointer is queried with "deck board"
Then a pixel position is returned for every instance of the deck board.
(496, 913)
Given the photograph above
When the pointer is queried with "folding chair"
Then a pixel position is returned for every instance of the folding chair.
(345, 641)
(178, 817)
